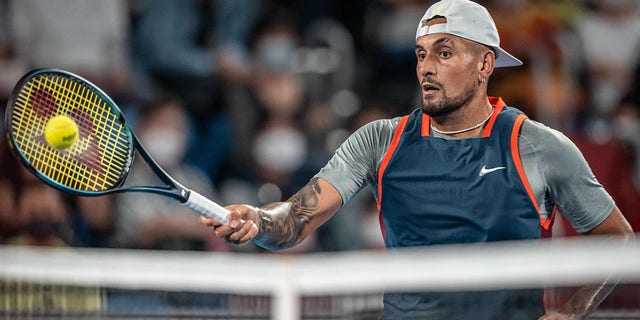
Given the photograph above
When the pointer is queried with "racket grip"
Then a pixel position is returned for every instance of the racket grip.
(206, 207)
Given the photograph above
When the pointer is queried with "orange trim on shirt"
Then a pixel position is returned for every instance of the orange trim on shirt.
(426, 125)
(547, 225)
(515, 153)
(498, 104)
(385, 161)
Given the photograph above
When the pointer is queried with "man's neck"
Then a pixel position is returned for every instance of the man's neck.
(474, 113)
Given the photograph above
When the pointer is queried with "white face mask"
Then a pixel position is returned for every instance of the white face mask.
(167, 147)
(280, 149)
(275, 52)
(626, 128)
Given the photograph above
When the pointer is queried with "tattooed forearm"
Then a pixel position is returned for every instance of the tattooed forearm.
(587, 299)
(282, 223)
(305, 203)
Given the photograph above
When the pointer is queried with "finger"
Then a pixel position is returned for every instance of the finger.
(223, 231)
(208, 221)
(253, 232)
(242, 233)
(234, 219)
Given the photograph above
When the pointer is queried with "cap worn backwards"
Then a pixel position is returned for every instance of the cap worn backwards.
(465, 19)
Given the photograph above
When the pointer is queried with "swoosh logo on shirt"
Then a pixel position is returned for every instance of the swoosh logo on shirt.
(484, 170)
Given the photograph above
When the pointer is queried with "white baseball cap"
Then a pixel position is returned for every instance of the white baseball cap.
(469, 20)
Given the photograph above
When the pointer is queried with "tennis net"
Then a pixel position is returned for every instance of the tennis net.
(134, 284)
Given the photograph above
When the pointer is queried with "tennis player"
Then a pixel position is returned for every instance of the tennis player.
(463, 168)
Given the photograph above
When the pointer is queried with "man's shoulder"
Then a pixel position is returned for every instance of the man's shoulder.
(384, 124)
(546, 142)
(536, 131)
(371, 139)
(380, 126)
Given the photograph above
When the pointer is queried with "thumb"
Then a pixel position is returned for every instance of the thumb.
(234, 219)
(239, 214)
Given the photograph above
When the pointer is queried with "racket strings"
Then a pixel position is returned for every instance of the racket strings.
(76, 96)
(100, 157)
(43, 158)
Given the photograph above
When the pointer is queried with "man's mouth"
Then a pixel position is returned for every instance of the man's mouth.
(429, 88)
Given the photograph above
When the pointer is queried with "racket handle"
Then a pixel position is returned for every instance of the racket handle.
(206, 207)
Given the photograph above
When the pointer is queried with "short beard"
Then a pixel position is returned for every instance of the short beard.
(447, 105)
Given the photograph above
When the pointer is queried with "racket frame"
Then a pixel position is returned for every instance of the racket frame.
(172, 188)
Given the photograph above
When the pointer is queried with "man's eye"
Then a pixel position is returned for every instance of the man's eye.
(421, 56)
(445, 54)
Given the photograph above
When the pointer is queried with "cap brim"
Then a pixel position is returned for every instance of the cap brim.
(504, 59)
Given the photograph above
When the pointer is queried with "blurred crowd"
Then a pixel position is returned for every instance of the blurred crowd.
(245, 100)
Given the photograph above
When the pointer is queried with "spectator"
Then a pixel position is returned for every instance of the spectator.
(150, 221)
(42, 215)
(92, 220)
(87, 37)
(388, 38)
(610, 35)
(195, 49)
(626, 120)
(10, 188)
(11, 66)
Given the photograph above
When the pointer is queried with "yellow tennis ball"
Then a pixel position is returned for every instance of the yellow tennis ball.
(61, 132)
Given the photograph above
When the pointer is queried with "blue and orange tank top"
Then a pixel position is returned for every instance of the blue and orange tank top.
(432, 190)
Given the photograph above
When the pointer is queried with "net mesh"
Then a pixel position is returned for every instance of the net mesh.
(82, 283)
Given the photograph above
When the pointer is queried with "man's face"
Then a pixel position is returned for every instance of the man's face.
(447, 71)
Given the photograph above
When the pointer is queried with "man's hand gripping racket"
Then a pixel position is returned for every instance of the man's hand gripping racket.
(236, 230)
(72, 136)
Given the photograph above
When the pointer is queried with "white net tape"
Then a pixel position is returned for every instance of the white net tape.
(350, 279)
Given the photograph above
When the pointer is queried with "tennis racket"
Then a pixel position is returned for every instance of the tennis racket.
(98, 162)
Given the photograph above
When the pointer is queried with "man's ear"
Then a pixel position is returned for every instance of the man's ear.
(486, 63)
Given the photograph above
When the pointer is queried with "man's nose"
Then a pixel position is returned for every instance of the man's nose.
(426, 67)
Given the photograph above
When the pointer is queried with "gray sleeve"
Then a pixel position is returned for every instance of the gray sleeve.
(558, 173)
(356, 161)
